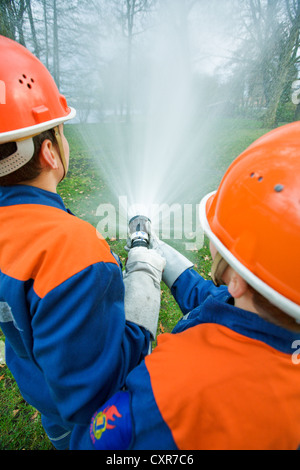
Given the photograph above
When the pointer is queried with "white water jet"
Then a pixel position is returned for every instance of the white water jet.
(161, 156)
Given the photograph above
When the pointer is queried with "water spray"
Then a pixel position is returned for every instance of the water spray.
(139, 231)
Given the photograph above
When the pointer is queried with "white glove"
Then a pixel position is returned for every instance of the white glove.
(142, 279)
(176, 263)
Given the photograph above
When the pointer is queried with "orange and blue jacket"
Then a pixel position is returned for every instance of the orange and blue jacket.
(68, 345)
(224, 379)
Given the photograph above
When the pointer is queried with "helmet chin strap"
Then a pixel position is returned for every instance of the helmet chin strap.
(218, 267)
(61, 150)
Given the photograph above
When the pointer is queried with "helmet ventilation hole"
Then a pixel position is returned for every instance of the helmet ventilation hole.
(278, 188)
(28, 81)
(259, 179)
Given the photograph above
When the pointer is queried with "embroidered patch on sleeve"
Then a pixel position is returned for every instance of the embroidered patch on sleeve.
(111, 425)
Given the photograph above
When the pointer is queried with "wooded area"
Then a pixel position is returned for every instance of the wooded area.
(98, 51)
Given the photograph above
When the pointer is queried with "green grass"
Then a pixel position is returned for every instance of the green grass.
(20, 424)
(82, 191)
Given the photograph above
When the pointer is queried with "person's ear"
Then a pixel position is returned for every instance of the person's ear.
(48, 157)
(237, 286)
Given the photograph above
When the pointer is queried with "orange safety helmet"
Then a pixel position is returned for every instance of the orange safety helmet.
(30, 102)
(253, 219)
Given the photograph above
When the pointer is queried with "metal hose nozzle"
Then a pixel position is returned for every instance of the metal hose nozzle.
(139, 231)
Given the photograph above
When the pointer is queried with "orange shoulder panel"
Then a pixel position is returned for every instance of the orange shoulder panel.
(48, 245)
(217, 389)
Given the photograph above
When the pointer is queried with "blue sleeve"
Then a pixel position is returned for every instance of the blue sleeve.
(190, 290)
(82, 342)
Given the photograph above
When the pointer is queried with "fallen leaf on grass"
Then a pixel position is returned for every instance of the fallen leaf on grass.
(34, 416)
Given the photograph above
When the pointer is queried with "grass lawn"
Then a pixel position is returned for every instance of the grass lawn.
(82, 190)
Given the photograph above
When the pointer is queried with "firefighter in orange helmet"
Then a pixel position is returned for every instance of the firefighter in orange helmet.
(253, 219)
(31, 104)
(62, 291)
(228, 377)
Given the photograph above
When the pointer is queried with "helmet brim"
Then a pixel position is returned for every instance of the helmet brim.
(19, 134)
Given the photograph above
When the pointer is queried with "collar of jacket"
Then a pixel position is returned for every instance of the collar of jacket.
(246, 323)
(23, 194)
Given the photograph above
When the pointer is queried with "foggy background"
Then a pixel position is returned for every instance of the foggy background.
(101, 52)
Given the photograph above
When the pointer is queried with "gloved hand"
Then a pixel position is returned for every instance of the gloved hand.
(142, 279)
(176, 263)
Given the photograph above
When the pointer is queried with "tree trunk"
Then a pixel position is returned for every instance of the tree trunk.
(130, 21)
(19, 21)
(56, 71)
(33, 31)
(46, 34)
(269, 120)
(283, 67)
(6, 25)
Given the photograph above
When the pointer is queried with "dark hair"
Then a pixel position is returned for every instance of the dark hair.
(30, 170)
(272, 313)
